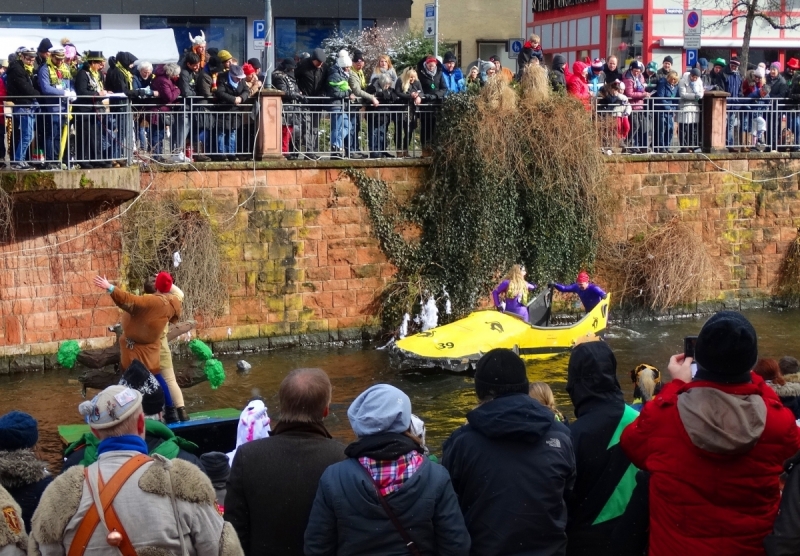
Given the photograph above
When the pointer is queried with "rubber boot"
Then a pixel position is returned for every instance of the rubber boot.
(170, 415)
(182, 414)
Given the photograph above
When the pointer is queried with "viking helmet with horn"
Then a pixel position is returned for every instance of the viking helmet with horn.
(198, 40)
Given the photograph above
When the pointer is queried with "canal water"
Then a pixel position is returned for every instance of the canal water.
(441, 400)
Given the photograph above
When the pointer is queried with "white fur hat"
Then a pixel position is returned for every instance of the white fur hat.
(760, 72)
(343, 60)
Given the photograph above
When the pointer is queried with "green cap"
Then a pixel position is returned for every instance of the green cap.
(720, 62)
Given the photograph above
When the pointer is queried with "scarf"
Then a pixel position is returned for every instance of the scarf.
(361, 78)
(170, 446)
(57, 73)
(28, 69)
(428, 73)
(94, 79)
(232, 83)
(383, 446)
(126, 74)
(119, 443)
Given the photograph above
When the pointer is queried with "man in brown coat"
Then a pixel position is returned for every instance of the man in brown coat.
(144, 319)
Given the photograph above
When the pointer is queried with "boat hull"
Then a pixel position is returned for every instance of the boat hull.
(459, 345)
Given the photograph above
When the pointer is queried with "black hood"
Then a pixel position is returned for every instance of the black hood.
(125, 59)
(559, 62)
(592, 376)
(512, 417)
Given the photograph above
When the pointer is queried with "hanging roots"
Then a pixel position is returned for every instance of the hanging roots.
(153, 230)
(788, 284)
(660, 268)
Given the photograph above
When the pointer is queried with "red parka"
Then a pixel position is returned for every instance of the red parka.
(715, 454)
(577, 85)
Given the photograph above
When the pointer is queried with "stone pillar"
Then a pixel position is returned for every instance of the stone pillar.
(714, 109)
(269, 136)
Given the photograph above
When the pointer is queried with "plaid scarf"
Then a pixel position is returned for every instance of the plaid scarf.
(391, 474)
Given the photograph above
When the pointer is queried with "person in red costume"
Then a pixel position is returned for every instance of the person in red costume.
(714, 446)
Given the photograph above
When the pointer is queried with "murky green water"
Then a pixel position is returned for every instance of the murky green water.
(441, 400)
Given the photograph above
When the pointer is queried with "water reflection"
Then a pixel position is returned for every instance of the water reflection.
(442, 400)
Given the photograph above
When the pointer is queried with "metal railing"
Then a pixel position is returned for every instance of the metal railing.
(53, 133)
(657, 125)
(763, 124)
(323, 128)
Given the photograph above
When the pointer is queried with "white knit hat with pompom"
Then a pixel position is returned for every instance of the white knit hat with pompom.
(343, 59)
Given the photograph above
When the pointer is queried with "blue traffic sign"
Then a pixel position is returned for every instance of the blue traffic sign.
(692, 19)
(516, 46)
(430, 10)
(259, 29)
(691, 59)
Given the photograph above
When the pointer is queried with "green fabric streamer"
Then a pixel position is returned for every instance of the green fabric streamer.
(214, 372)
(68, 353)
(201, 350)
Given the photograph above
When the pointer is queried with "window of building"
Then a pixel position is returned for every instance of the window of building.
(487, 49)
(223, 33)
(624, 41)
(25, 21)
(296, 35)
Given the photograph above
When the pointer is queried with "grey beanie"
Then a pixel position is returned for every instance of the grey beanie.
(380, 408)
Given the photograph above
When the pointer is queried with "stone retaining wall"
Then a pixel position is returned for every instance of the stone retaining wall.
(303, 266)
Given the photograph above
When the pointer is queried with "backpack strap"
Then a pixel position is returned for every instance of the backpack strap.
(107, 494)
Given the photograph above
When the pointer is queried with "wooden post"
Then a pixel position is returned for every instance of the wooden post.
(269, 136)
(715, 122)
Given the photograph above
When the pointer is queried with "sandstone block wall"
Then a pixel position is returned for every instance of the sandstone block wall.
(302, 262)
(747, 210)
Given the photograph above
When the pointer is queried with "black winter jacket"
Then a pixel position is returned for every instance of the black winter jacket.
(272, 486)
(558, 79)
(188, 82)
(434, 88)
(511, 467)
(347, 516)
(24, 477)
(115, 80)
(777, 86)
(603, 469)
(310, 79)
(785, 537)
(19, 83)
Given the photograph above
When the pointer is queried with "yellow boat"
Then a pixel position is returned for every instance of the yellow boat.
(458, 346)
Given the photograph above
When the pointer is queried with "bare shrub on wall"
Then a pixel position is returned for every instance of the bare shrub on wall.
(787, 286)
(155, 228)
(660, 268)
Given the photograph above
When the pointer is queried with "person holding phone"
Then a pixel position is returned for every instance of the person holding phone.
(714, 447)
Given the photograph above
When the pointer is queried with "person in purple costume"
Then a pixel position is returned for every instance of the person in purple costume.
(516, 291)
(590, 293)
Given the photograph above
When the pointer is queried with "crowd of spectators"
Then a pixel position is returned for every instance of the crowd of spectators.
(702, 463)
(63, 106)
(120, 106)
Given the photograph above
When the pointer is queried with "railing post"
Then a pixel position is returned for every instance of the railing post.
(269, 133)
(715, 127)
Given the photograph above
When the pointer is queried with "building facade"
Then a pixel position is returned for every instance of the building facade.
(476, 28)
(300, 25)
(653, 29)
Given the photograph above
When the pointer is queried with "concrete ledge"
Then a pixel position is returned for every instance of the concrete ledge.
(115, 185)
(298, 164)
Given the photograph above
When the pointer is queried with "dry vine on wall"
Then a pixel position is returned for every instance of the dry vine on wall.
(787, 286)
(153, 230)
(659, 268)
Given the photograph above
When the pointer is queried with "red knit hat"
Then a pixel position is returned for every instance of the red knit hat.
(248, 69)
(163, 282)
(582, 277)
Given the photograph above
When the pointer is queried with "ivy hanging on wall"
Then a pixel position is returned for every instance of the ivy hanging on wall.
(517, 176)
